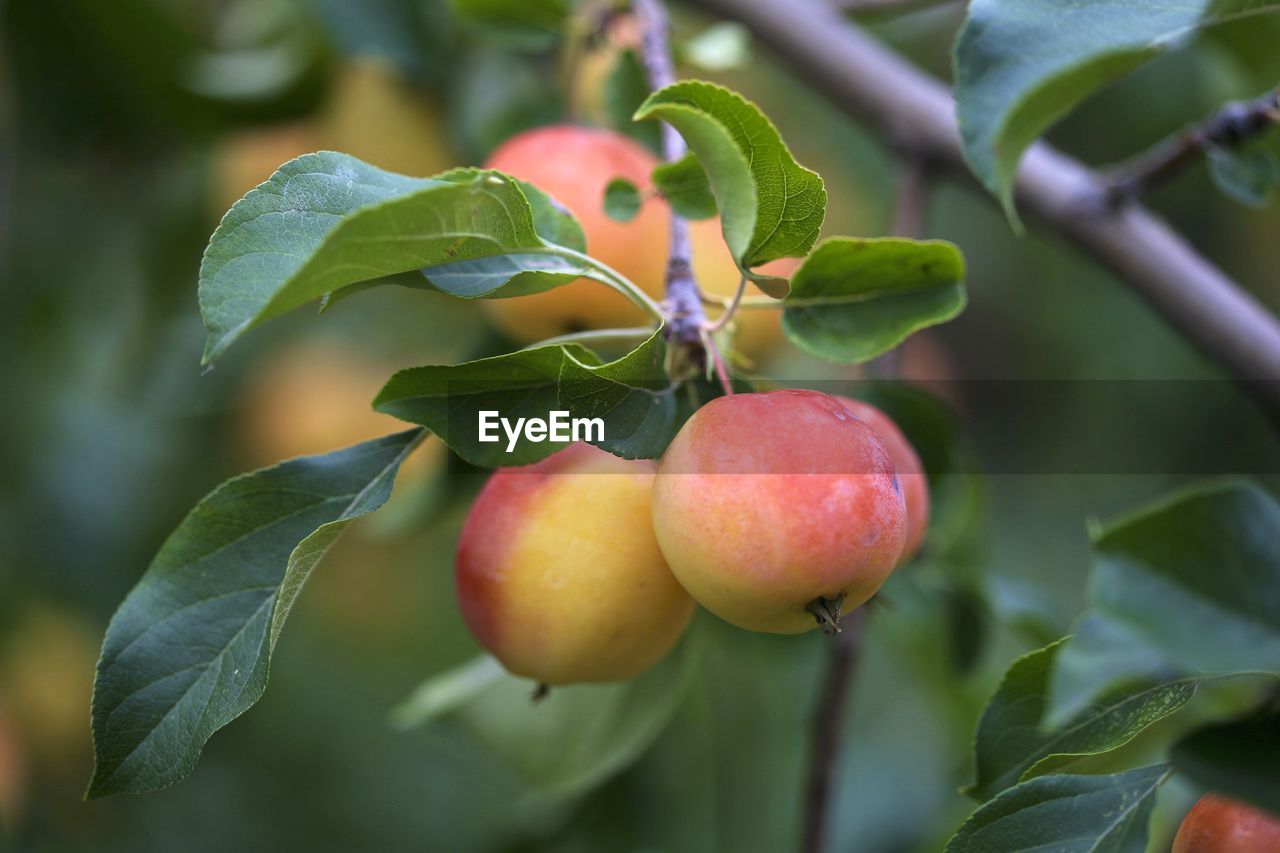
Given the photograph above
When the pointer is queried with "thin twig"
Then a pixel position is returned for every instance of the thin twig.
(915, 114)
(1228, 127)
(842, 663)
(683, 303)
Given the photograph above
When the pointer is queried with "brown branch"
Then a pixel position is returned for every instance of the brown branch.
(913, 199)
(828, 720)
(685, 317)
(1227, 128)
(915, 114)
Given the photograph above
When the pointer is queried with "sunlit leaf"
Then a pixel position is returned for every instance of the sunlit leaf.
(853, 299)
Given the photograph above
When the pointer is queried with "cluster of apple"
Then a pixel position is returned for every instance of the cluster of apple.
(772, 510)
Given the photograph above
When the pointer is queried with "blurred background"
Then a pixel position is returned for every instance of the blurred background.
(126, 131)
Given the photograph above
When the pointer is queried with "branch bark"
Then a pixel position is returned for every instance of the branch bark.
(683, 303)
(915, 114)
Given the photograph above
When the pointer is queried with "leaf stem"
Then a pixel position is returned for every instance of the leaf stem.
(729, 309)
(603, 273)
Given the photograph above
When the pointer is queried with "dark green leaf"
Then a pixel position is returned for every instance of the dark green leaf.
(631, 395)
(621, 200)
(516, 274)
(326, 221)
(189, 649)
(1186, 587)
(1088, 814)
(573, 740)
(1248, 174)
(854, 299)
(770, 206)
(625, 89)
(448, 399)
(528, 24)
(554, 222)
(684, 185)
(1012, 745)
(1238, 759)
(1023, 64)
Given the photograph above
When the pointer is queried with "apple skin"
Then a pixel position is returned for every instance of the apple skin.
(765, 502)
(915, 485)
(1217, 824)
(574, 165)
(559, 574)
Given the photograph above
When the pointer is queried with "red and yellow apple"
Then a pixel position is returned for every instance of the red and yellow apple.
(915, 485)
(1217, 824)
(766, 503)
(559, 574)
(574, 165)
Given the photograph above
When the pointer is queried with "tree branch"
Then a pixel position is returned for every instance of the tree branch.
(683, 303)
(1227, 128)
(915, 114)
(828, 720)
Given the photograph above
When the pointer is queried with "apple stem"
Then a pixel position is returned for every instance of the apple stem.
(827, 613)
(540, 692)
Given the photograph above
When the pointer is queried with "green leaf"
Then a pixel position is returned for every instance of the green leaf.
(1089, 814)
(554, 222)
(448, 399)
(770, 206)
(1238, 759)
(684, 185)
(570, 742)
(448, 691)
(327, 221)
(1011, 744)
(631, 395)
(1248, 174)
(853, 299)
(625, 89)
(1187, 587)
(499, 276)
(1023, 64)
(621, 200)
(527, 24)
(189, 649)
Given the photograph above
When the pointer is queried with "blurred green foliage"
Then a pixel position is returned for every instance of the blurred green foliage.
(116, 121)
